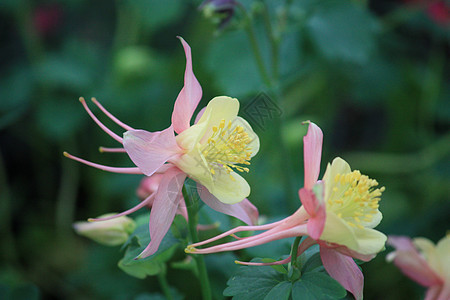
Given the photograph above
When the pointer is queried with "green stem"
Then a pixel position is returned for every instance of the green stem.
(254, 44)
(294, 251)
(274, 42)
(192, 209)
(164, 285)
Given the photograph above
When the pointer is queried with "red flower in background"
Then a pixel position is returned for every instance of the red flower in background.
(438, 11)
(46, 19)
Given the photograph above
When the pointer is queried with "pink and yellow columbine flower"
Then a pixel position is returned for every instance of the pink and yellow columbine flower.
(212, 152)
(424, 262)
(338, 213)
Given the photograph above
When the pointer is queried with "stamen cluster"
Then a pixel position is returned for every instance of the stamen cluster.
(227, 147)
(354, 198)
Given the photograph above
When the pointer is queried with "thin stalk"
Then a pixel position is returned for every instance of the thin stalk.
(192, 209)
(294, 251)
(164, 285)
(67, 194)
(255, 48)
(274, 42)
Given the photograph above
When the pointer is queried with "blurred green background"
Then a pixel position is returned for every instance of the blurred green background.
(374, 75)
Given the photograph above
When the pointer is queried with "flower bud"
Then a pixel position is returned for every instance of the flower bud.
(112, 232)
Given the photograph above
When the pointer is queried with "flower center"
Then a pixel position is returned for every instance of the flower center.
(227, 147)
(354, 198)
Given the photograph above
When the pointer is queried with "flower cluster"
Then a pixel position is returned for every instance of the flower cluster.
(338, 212)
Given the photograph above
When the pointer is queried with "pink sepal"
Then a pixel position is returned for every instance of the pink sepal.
(312, 152)
(346, 251)
(150, 150)
(316, 210)
(189, 96)
(164, 208)
(344, 270)
(244, 210)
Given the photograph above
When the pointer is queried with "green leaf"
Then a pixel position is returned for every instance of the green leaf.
(141, 269)
(314, 263)
(137, 242)
(280, 292)
(234, 67)
(343, 30)
(316, 285)
(254, 283)
(279, 268)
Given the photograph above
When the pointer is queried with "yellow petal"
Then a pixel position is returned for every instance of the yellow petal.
(254, 144)
(370, 241)
(338, 166)
(218, 109)
(228, 190)
(189, 138)
(338, 231)
(443, 253)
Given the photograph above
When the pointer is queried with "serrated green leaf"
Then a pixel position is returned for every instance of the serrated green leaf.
(316, 285)
(253, 282)
(281, 291)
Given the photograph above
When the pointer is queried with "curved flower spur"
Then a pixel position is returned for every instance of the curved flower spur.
(210, 152)
(338, 213)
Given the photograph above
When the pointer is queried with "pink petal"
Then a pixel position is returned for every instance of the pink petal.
(345, 251)
(444, 293)
(188, 98)
(244, 210)
(164, 207)
(344, 270)
(308, 242)
(274, 263)
(312, 152)
(150, 150)
(433, 293)
(411, 263)
(316, 210)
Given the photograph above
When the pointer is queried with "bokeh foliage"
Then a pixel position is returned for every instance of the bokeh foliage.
(372, 74)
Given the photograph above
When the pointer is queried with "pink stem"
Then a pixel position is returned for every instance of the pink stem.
(279, 262)
(127, 212)
(237, 229)
(116, 150)
(105, 129)
(124, 126)
(105, 168)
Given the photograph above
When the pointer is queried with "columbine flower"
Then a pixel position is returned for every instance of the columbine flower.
(110, 233)
(338, 213)
(424, 262)
(210, 152)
